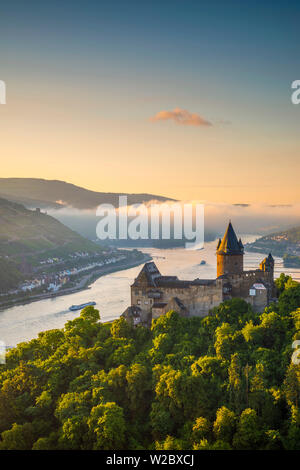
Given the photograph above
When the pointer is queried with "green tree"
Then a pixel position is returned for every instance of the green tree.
(138, 388)
(161, 421)
(19, 437)
(107, 426)
(121, 329)
(249, 432)
(170, 443)
(257, 389)
(236, 384)
(201, 429)
(224, 425)
(291, 385)
(281, 282)
(289, 300)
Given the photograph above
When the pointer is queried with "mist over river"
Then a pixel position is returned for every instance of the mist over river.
(112, 292)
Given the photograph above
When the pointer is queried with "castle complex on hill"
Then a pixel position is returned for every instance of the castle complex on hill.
(153, 295)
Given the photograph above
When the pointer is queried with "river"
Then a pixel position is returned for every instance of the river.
(112, 291)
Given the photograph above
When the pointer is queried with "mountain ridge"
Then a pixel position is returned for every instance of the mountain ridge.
(39, 192)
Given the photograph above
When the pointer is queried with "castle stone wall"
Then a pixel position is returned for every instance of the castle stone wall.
(197, 299)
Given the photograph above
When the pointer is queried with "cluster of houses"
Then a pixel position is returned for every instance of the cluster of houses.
(292, 248)
(51, 261)
(73, 256)
(54, 282)
(50, 282)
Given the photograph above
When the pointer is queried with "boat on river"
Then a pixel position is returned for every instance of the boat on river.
(73, 308)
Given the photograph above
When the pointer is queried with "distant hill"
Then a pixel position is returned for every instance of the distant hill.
(285, 244)
(24, 231)
(33, 192)
(26, 236)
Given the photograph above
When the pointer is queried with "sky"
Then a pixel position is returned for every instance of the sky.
(186, 99)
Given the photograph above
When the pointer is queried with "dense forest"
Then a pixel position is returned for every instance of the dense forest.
(226, 381)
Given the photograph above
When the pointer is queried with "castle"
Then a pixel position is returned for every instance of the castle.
(153, 295)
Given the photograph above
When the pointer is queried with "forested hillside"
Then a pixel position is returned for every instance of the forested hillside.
(27, 236)
(24, 232)
(10, 274)
(279, 243)
(226, 381)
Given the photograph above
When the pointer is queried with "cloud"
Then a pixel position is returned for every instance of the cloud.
(181, 116)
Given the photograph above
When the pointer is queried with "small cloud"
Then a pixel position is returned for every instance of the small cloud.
(241, 205)
(181, 116)
(280, 205)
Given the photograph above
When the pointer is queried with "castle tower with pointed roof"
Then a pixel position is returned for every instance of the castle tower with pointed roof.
(230, 253)
(153, 294)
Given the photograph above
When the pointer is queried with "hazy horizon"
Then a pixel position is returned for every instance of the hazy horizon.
(255, 218)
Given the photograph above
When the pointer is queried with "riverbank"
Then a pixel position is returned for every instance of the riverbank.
(83, 284)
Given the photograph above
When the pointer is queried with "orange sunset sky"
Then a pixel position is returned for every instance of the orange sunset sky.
(187, 103)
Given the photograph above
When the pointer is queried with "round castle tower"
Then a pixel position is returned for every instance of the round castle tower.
(230, 253)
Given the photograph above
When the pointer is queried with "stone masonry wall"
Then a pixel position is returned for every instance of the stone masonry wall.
(197, 299)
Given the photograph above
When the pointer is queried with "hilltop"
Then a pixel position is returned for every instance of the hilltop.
(35, 192)
(28, 236)
(24, 232)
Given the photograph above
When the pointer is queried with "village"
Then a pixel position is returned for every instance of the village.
(54, 282)
(59, 273)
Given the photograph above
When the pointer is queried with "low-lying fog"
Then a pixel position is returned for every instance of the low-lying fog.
(250, 219)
